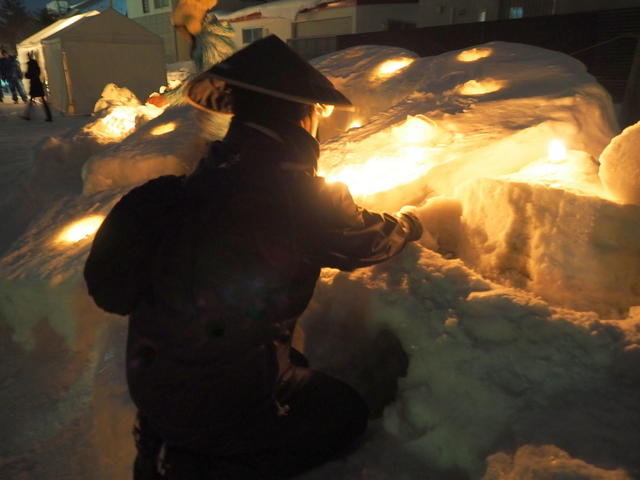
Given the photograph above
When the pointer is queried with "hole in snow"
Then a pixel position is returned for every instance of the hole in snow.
(165, 128)
(481, 87)
(474, 54)
(80, 229)
(391, 67)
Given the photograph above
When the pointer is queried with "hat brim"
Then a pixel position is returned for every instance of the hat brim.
(204, 93)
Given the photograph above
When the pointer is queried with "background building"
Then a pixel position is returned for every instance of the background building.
(312, 26)
(79, 55)
(155, 15)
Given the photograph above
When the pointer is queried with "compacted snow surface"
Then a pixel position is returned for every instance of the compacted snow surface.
(505, 345)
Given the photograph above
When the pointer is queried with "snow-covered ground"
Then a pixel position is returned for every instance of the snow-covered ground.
(506, 345)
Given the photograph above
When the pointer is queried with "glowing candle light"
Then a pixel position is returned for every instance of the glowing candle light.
(115, 126)
(80, 229)
(324, 110)
(355, 124)
(379, 174)
(474, 54)
(481, 87)
(557, 151)
(391, 67)
(415, 129)
(120, 122)
(164, 128)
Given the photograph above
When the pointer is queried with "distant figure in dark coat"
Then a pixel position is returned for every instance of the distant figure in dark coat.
(36, 89)
(11, 73)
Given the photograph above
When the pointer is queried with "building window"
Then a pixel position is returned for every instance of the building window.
(482, 16)
(160, 3)
(399, 25)
(516, 12)
(251, 34)
(145, 6)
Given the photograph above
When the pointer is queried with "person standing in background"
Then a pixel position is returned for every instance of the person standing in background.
(36, 89)
(11, 73)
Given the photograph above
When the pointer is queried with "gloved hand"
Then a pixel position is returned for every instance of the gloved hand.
(410, 221)
(441, 220)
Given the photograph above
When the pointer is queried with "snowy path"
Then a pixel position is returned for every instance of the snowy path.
(18, 139)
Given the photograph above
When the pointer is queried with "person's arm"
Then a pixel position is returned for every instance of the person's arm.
(350, 237)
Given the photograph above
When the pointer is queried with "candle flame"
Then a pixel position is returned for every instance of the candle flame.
(80, 229)
(557, 151)
(474, 54)
(355, 124)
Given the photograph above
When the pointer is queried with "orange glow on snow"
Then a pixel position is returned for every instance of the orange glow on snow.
(165, 128)
(474, 54)
(481, 87)
(80, 229)
(115, 126)
(418, 129)
(355, 124)
(380, 172)
(391, 67)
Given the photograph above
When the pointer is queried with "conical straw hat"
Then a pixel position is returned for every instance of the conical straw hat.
(266, 66)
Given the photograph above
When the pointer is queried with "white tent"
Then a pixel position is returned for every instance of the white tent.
(79, 55)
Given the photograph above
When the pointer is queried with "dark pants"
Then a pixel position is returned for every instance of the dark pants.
(45, 106)
(318, 419)
(16, 89)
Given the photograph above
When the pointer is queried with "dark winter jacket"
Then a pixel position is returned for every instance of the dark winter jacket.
(33, 74)
(10, 69)
(176, 375)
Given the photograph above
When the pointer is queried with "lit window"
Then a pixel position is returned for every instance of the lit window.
(251, 34)
(482, 16)
(160, 3)
(516, 12)
(145, 6)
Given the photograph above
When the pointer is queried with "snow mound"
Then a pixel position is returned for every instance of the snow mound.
(523, 98)
(545, 462)
(576, 251)
(170, 144)
(457, 367)
(369, 76)
(114, 96)
(620, 166)
(489, 367)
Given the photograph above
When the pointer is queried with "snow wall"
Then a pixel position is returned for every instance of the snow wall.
(506, 345)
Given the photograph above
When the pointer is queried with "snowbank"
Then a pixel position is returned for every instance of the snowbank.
(577, 251)
(620, 166)
(471, 364)
(170, 144)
